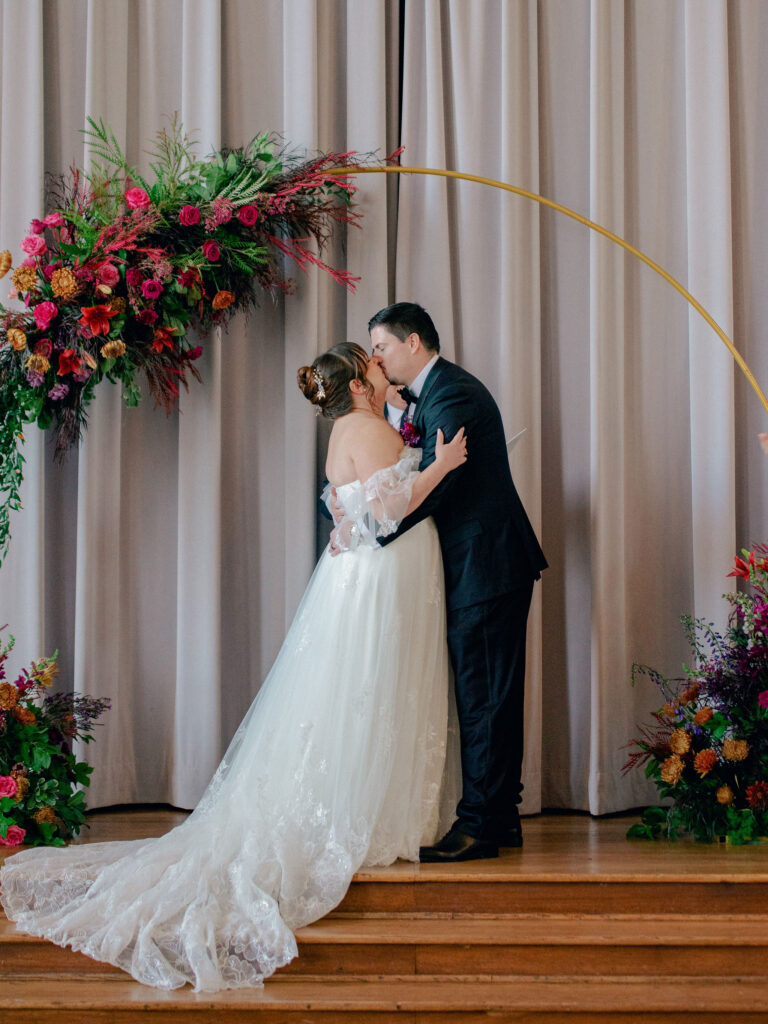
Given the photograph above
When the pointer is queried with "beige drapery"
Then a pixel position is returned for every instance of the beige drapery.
(166, 557)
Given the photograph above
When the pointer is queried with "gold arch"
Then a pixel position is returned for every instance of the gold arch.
(397, 169)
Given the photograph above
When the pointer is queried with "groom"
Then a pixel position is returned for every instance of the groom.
(491, 558)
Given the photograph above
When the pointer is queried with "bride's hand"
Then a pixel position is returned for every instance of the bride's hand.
(451, 456)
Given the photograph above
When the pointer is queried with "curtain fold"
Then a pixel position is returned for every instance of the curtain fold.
(165, 558)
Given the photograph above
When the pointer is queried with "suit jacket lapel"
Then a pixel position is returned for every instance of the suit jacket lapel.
(432, 376)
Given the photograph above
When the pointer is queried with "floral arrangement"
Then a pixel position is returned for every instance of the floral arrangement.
(39, 775)
(707, 749)
(115, 276)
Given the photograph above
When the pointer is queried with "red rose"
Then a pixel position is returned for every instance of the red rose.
(151, 289)
(137, 199)
(146, 317)
(44, 347)
(13, 837)
(108, 274)
(37, 227)
(96, 319)
(134, 277)
(211, 250)
(248, 215)
(45, 312)
(189, 216)
(69, 362)
(188, 278)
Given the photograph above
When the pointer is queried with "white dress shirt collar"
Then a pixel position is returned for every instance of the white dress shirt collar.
(415, 387)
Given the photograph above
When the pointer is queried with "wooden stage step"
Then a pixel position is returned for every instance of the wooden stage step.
(579, 926)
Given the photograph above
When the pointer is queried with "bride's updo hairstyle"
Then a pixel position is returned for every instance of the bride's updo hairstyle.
(326, 382)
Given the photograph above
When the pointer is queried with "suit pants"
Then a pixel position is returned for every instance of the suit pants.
(487, 647)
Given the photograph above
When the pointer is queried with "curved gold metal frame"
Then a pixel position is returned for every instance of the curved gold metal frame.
(396, 169)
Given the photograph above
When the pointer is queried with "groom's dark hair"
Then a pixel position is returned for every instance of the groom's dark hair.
(404, 318)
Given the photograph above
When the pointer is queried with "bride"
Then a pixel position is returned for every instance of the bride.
(339, 762)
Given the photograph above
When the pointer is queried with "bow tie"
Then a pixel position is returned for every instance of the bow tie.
(407, 395)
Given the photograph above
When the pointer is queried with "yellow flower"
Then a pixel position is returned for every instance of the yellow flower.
(64, 284)
(705, 761)
(672, 769)
(22, 788)
(113, 349)
(45, 672)
(37, 363)
(17, 339)
(9, 696)
(5, 262)
(680, 741)
(735, 750)
(725, 796)
(24, 278)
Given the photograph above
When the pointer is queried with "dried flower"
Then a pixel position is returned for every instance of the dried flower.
(705, 761)
(680, 741)
(703, 715)
(691, 693)
(24, 279)
(757, 796)
(223, 299)
(17, 338)
(22, 787)
(672, 769)
(9, 696)
(118, 303)
(113, 349)
(669, 710)
(725, 796)
(45, 672)
(37, 363)
(735, 750)
(25, 716)
(6, 261)
(43, 814)
(64, 284)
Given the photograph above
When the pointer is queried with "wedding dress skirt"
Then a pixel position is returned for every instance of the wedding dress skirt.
(338, 763)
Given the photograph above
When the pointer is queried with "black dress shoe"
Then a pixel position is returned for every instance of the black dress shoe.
(513, 836)
(457, 846)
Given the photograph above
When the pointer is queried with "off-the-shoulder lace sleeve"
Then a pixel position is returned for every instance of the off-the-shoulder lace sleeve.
(376, 507)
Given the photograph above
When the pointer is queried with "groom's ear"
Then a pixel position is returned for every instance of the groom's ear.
(413, 341)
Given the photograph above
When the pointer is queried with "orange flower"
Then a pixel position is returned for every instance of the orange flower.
(735, 750)
(9, 696)
(672, 769)
(44, 814)
(37, 363)
(725, 796)
(703, 715)
(680, 741)
(223, 299)
(705, 761)
(64, 284)
(22, 788)
(17, 339)
(5, 262)
(691, 693)
(668, 710)
(24, 715)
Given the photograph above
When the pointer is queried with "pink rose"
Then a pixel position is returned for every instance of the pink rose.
(134, 277)
(211, 250)
(44, 347)
(762, 699)
(137, 199)
(151, 289)
(248, 215)
(37, 227)
(146, 317)
(13, 837)
(108, 274)
(54, 220)
(45, 312)
(8, 786)
(34, 245)
(189, 215)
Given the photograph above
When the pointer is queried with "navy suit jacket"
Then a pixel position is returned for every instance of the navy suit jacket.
(488, 543)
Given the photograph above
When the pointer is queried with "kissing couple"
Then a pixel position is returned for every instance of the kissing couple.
(343, 758)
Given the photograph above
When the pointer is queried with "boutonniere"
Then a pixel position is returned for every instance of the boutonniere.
(409, 433)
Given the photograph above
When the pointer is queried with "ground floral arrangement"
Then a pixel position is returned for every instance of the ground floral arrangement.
(707, 748)
(40, 799)
(122, 268)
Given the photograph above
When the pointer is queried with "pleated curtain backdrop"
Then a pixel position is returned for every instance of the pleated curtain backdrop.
(166, 557)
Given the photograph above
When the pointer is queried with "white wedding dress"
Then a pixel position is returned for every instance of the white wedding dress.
(339, 762)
